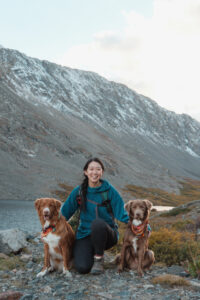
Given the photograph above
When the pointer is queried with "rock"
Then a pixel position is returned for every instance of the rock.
(27, 297)
(10, 295)
(26, 257)
(12, 240)
(110, 285)
(2, 255)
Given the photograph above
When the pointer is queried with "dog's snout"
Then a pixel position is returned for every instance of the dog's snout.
(46, 210)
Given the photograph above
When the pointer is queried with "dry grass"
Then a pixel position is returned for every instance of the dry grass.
(64, 192)
(189, 191)
(170, 280)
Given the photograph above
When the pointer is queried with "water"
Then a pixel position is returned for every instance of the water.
(19, 214)
(22, 215)
(162, 208)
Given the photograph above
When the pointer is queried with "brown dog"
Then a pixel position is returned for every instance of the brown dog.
(57, 236)
(134, 253)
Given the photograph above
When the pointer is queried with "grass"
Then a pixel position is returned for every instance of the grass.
(175, 211)
(189, 191)
(170, 280)
(64, 192)
(11, 262)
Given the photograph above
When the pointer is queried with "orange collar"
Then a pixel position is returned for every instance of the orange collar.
(140, 229)
(47, 230)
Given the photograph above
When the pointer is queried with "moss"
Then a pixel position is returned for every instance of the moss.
(10, 263)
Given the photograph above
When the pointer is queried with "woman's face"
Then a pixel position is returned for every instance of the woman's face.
(94, 173)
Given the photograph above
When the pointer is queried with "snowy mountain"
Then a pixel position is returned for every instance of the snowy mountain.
(53, 118)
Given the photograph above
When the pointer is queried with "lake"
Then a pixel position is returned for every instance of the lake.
(22, 215)
(19, 214)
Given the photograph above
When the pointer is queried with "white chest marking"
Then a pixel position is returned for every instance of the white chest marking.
(136, 222)
(134, 243)
(46, 224)
(52, 240)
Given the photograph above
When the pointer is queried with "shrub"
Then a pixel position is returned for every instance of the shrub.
(194, 259)
(170, 246)
(183, 225)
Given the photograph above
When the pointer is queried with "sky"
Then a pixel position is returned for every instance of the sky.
(152, 46)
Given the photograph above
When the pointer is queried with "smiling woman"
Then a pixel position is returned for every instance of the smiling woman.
(99, 204)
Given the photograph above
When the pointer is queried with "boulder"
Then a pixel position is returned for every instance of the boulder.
(12, 241)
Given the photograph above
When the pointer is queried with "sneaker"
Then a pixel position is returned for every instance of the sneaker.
(97, 267)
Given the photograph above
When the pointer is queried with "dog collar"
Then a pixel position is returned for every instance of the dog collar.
(140, 229)
(47, 230)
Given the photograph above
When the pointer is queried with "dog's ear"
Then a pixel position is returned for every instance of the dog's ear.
(58, 204)
(37, 204)
(148, 203)
(127, 206)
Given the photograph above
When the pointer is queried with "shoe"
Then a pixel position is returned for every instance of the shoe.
(97, 267)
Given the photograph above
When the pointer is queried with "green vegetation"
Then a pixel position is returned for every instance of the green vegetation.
(175, 212)
(11, 262)
(171, 246)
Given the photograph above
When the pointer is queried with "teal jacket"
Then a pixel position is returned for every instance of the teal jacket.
(86, 217)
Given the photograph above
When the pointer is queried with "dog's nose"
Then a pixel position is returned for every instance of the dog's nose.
(46, 210)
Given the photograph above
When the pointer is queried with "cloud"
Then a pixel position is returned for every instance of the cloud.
(157, 56)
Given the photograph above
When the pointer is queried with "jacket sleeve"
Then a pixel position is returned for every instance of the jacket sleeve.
(117, 204)
(70, 205)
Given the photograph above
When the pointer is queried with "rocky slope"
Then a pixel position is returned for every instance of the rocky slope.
(53, 118)
(110, 285)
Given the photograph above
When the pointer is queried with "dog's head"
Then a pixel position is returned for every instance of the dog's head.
(138, 210)
(48, 210)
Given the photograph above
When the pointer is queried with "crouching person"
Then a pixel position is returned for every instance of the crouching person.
(99, 204)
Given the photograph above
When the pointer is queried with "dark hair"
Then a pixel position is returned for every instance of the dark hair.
(84, 185)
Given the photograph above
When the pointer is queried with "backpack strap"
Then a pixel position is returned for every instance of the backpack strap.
(105, 203)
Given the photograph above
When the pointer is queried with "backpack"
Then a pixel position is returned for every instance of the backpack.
(105, 203)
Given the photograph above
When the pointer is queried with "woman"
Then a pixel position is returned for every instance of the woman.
(99, 204)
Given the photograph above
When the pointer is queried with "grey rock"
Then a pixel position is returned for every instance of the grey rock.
(27, 297)
(12, 240)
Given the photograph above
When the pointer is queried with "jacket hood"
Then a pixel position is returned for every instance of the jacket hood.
(105, 186)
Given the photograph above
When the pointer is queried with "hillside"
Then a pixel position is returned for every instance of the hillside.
(54, 118)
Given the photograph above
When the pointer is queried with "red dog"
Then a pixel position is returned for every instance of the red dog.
(57, 236)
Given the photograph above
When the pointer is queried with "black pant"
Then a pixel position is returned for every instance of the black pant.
(102, 238)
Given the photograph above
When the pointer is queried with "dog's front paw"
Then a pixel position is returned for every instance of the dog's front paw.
(119, 269)
(42, 273)
(67, 273)
(51, 269)
(140, 273)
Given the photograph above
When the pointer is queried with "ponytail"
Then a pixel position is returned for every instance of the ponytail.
(83, 193)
